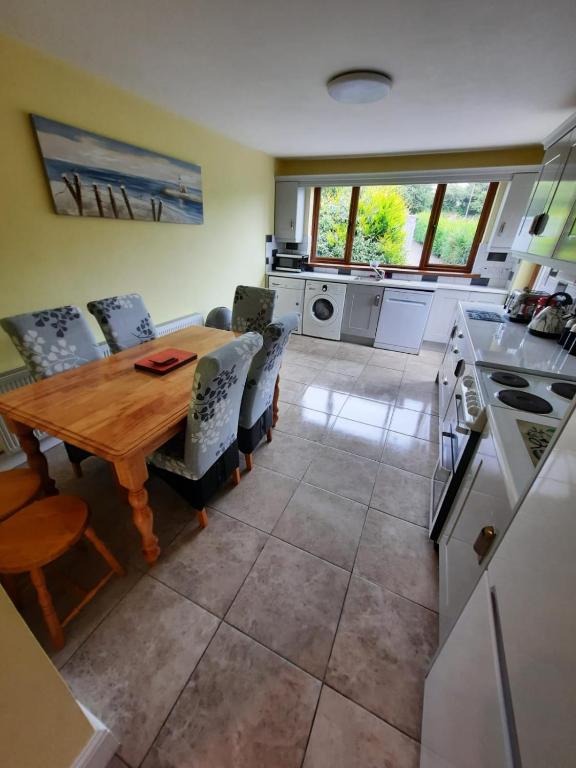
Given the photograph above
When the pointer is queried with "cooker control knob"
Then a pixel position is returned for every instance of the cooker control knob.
(455, 350)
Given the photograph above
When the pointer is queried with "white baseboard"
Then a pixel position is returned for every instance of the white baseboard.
(101, 748)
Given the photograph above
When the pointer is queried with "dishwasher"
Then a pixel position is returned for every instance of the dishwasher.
(403, 319)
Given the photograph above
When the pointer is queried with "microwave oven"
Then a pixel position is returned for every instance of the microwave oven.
(289, 262)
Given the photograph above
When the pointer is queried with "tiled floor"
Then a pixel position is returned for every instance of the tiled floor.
(297, 628)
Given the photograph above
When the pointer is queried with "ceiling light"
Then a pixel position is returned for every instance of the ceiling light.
(359, 86)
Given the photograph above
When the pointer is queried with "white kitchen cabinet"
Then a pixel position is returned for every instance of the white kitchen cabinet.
(403, 319)
(362, 310)
(289, 297)
(512, 210)
(289, 212)
(464, 723)
(487, 298)
(442, 314)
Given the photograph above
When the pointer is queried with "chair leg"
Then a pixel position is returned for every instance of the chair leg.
(248, 458)
(236, 476)
(77, 469)
(269, 435)
(103, 550)
(203, 518)
(52, 621)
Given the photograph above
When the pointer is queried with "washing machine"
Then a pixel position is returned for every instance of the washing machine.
(323, 309)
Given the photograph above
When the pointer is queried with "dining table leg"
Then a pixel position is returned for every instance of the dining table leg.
(132, 475)
(36, 459)
(275, 401)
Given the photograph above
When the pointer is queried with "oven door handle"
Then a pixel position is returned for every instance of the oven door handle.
(461, 428)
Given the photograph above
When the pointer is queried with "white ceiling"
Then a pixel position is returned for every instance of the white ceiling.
(467, 73)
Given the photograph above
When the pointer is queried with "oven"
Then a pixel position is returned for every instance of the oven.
(289, 262)
(460, 430)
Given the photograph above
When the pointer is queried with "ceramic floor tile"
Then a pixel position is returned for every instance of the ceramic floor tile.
(367, 411)
(303, 422)
(209, 565)
(335, 381)
(346, 367)
(317, 361)
(402, 494)
(354, 437)
(342, 473)
(325, 400)
(116, 762)
(418, 396)
(290, 391)
(377, 383)
(286, 453)
(357, 353)
(418, 370)
(345, 735)
(382, 652)
(327, 525)
(296, 372)
(387, 358)
(414, 423)
(131, 670)
(271, 609)
(399, 556)
(410, 453)
(259, 500)
(244, 707)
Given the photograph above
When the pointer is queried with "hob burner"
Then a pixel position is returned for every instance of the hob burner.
(524, 401)
(509, 379)
(564, 389)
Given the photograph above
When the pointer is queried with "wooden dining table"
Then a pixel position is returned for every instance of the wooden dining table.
(113, 411)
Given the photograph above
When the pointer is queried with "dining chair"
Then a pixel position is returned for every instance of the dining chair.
(124, 321)
(252, 309)
(256, 415)
(52, 341)
(198, 461)
(219, 317)
(40, 533)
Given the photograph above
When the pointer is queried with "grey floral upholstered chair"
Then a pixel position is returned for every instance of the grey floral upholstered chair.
(256, 410)
(124, 320)
(219, 317)
(50, 342)
(196, 463)
(253, 308)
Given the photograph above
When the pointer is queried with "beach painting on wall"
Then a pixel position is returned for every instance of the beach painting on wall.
(91, 175)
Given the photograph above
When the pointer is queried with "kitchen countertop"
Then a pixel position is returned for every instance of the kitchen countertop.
(509, 345)
(415, 285)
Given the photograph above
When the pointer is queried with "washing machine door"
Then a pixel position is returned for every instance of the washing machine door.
(322, 308)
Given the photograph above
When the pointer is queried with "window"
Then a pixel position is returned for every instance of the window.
(422, 226)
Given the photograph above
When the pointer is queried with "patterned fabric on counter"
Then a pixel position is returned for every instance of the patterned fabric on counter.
(124, 320)
(261, 380)
(212, 424)
(53, 340)
(219, 317)
(253, 308)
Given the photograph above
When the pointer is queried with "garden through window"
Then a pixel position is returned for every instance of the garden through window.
(422, 226)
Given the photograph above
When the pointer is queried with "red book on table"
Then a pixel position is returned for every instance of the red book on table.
(165, 360)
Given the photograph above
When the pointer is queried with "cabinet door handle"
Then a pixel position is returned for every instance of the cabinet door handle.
(501, 228)
(484, 541)
(377, 300)
(291, 223)
(539, 224)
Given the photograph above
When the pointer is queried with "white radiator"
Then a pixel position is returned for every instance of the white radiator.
(20, 376)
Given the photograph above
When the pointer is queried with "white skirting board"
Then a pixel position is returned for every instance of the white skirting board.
(101, 748)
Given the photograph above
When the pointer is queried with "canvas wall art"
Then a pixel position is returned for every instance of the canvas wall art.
(91, 175)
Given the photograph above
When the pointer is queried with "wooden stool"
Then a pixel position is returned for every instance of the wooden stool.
(38, 535)
(18, 487)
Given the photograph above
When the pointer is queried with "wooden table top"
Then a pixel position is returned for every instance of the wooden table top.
(109, 408)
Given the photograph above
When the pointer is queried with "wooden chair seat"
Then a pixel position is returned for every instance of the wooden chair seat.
(18, 487)
(38, 535)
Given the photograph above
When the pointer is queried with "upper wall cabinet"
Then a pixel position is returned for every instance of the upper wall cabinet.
(551, 202)
(289, 212)
(512, 210)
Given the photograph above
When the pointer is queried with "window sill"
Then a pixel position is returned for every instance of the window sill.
(445, 271)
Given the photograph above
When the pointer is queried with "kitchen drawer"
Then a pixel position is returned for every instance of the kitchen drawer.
(285, 282)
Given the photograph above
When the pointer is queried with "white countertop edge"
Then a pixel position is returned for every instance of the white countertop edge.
(416, 285)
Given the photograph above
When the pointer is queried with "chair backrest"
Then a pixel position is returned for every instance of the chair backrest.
(261, 379)
(52, 340)
(124, 320)
(217, 391)
(253, 308)
(219, 317)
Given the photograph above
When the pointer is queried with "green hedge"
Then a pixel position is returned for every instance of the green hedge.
(454, 237)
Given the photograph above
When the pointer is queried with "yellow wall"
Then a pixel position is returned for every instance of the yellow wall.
(301, 166)
(41, 725)
(47, 260)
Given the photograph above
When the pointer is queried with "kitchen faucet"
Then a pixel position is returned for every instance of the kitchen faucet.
(379, 275)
